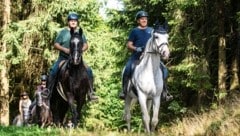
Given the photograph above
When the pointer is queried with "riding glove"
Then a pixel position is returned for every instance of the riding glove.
(139, 49)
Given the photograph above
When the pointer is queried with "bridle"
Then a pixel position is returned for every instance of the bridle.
(153, 40)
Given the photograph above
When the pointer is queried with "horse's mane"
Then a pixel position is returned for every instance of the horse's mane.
(149, 42)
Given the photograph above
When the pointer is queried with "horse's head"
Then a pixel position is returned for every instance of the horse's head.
(42, 97)
(76, 44)
(39, 99)
(160, 39)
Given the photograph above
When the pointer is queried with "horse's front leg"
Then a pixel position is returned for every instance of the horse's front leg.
(156, 106)
(142, 98)
(80, 102)
(70, 98)
(127, 112)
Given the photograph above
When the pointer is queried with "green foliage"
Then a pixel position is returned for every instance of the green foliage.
(184, 4)
(238, 16)
(27, 131)
(104, 56)
(176, 108)
(213, 128)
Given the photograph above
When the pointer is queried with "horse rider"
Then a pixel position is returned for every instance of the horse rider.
(40, 88)
(137, 41)
(62, 42)
(24, 104)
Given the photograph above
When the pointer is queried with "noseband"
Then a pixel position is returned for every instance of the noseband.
(158, 46)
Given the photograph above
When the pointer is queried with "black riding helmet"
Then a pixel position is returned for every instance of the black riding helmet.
(141, 14)
(72, 16)
(44, 78)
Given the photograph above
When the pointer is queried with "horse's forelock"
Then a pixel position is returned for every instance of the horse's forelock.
(160, 30)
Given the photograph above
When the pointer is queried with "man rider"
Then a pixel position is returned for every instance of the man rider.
(137, 41)
(62, 42)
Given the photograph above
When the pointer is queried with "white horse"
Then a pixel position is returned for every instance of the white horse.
(147, 79)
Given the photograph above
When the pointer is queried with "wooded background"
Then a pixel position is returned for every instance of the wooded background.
(204, 43)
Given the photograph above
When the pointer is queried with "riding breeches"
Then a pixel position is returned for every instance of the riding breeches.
(55, 67)
(129, 66)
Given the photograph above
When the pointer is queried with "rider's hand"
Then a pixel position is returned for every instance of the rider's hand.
(66, 50)
(139, 49)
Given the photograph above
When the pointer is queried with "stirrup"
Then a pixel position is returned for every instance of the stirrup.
(92, 97)
(169, 97)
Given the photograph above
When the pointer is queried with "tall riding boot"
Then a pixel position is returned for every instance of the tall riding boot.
(91, 92)
(166, 96)
(92, 96)
(123, 93)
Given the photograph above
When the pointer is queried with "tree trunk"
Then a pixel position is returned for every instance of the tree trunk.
(234, 68)
(234, 84)
(234, 80)
(4, 82)
(222, 67)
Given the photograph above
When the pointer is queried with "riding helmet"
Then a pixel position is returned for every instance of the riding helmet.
(44, 78)
(72, 16)
(141, 14)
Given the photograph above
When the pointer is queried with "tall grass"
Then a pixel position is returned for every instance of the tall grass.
(223, 121)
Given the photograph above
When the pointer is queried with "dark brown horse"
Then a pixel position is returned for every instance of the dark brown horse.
(43, 111)
(72, 83)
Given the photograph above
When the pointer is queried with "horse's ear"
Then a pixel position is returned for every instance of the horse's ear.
(80, 31)
(165, 25)
(156, 24)
(71, 31)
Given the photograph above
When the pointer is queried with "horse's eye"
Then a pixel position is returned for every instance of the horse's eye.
(156, 37)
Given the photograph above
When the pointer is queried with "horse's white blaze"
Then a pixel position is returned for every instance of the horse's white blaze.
(76, 40)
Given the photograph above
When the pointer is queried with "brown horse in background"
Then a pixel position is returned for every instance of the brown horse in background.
(43, 111)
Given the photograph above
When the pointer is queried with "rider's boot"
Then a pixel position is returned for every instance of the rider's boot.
(92, 96)
(123, 93)
(91, 92)
(166, 96)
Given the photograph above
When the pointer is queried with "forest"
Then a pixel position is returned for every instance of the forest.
(204, 40)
